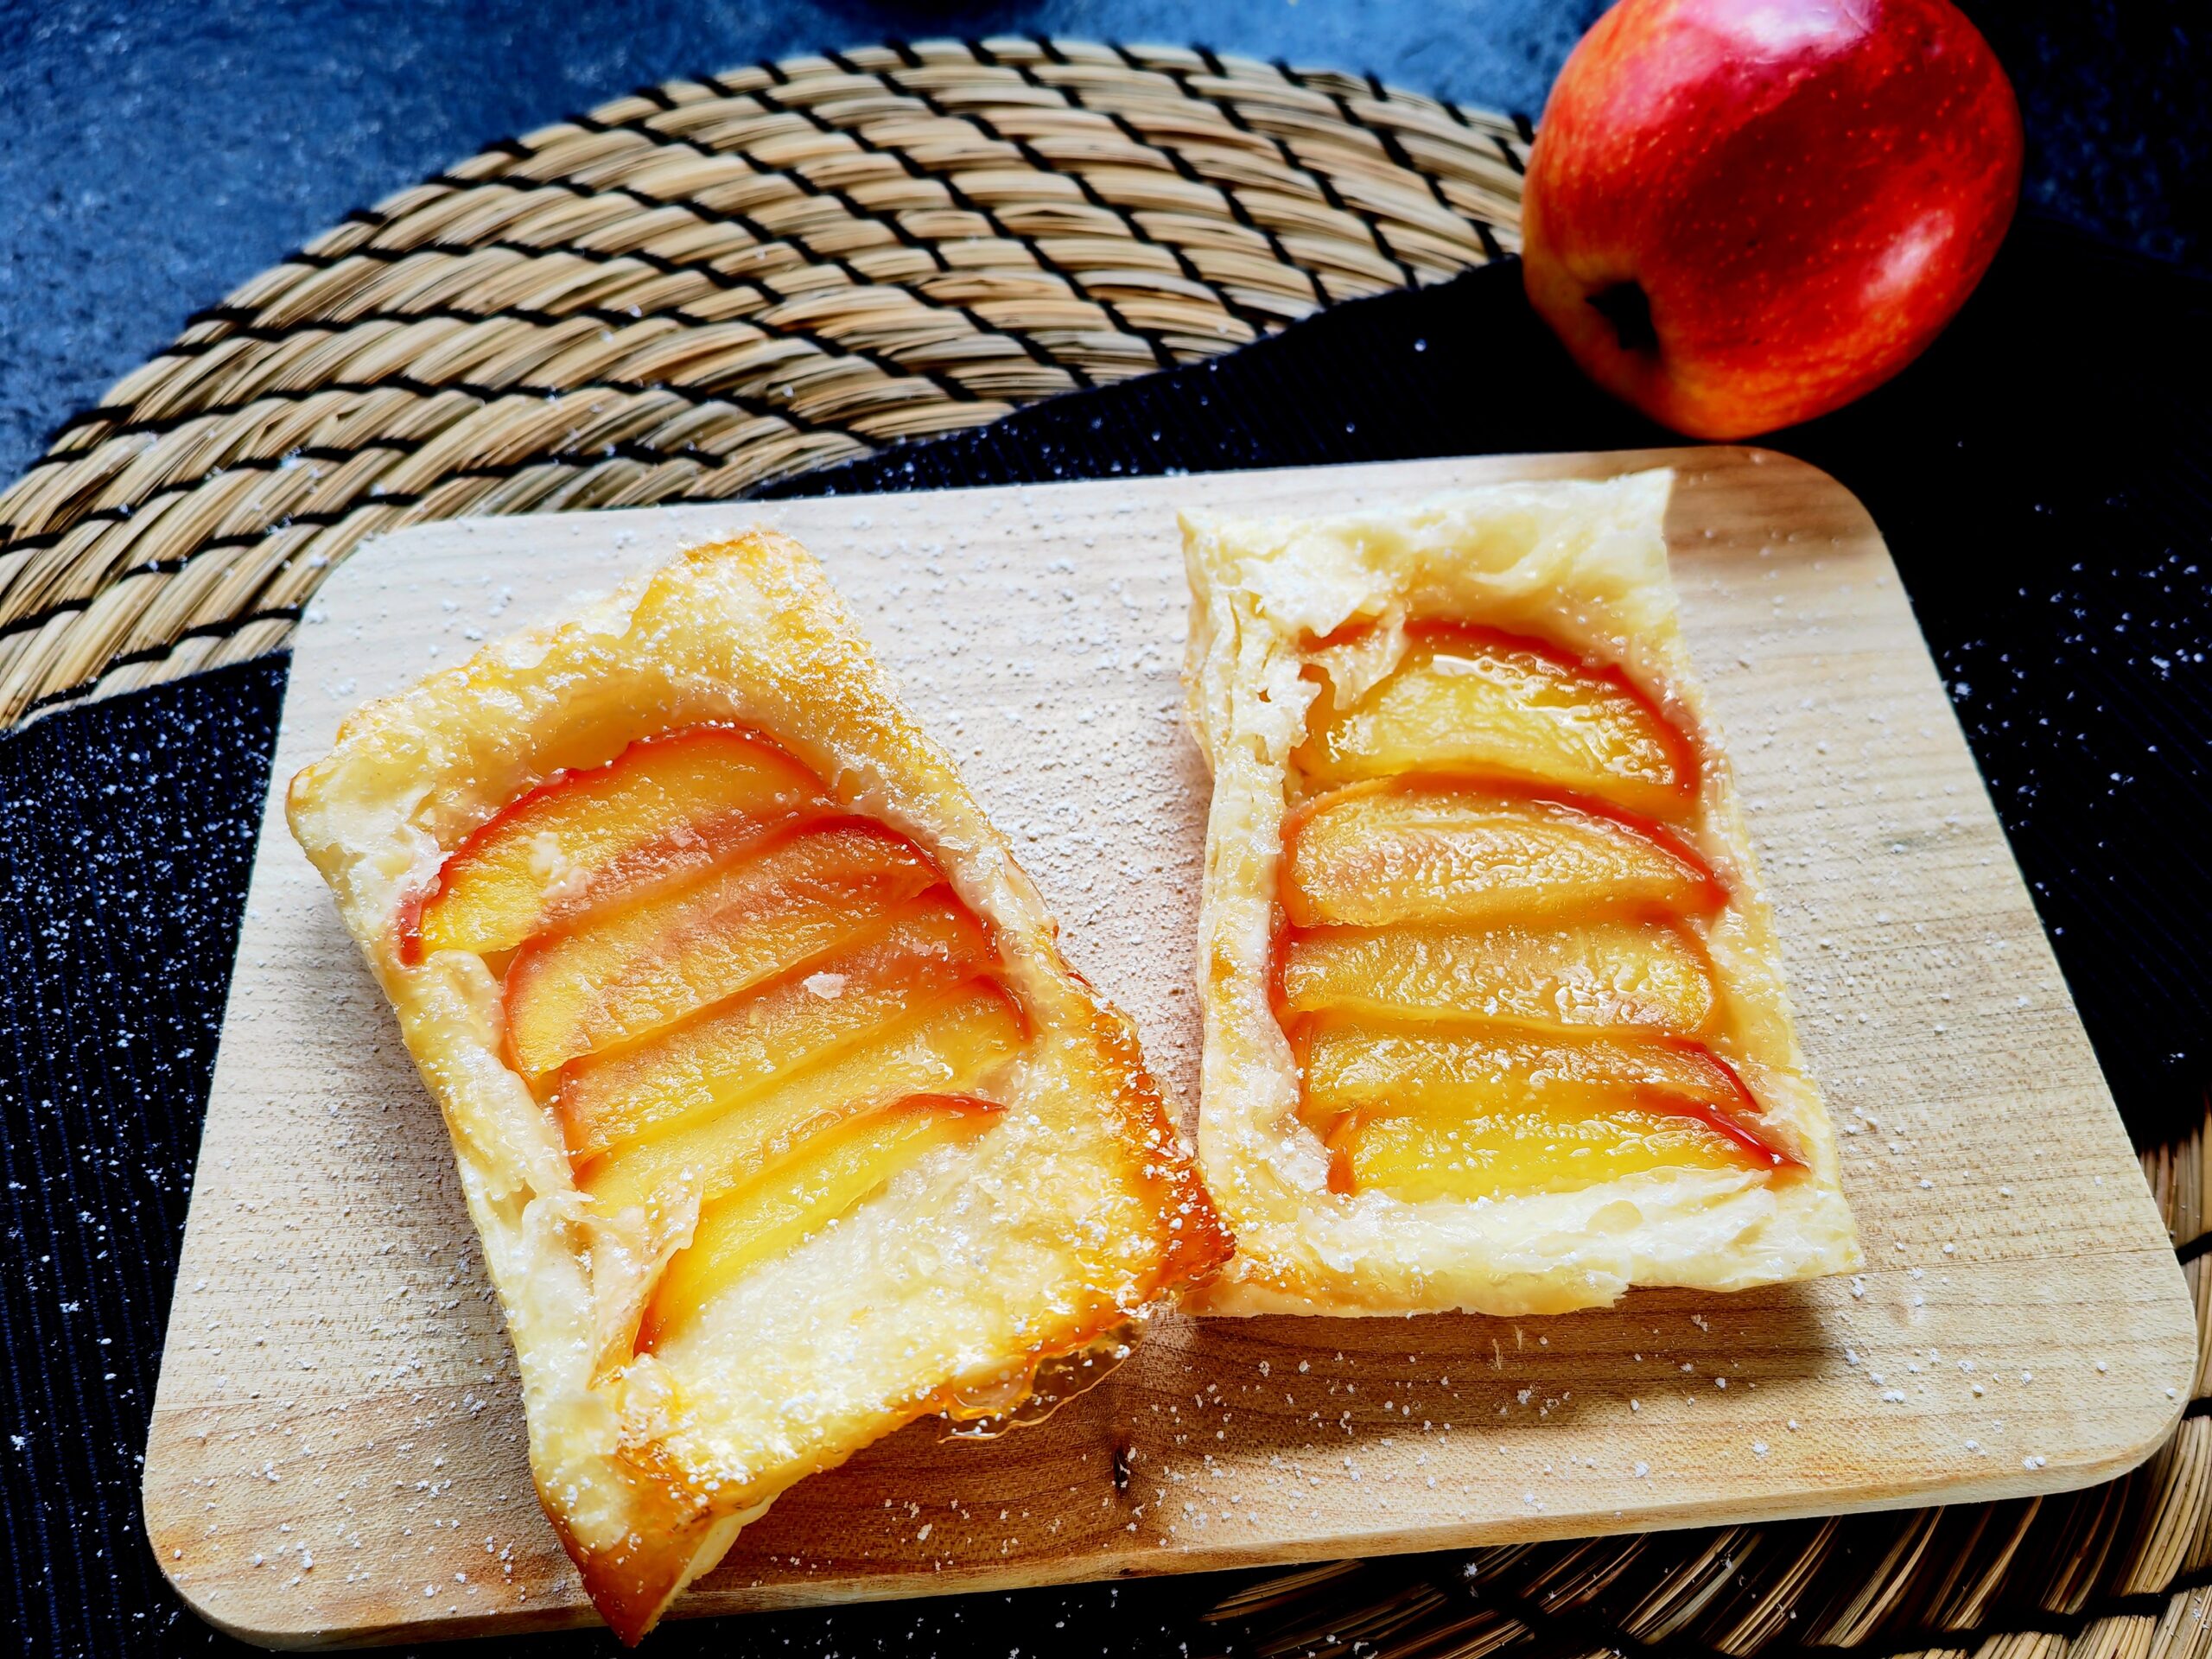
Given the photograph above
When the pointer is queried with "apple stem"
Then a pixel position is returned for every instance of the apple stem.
(1627, 308)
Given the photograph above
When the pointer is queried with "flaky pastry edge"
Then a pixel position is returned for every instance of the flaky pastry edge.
(746, 632)
(1583, 562)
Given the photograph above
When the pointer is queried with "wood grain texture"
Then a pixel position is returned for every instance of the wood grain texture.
(338, 1455)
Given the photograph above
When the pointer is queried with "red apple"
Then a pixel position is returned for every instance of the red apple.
(1743, 213)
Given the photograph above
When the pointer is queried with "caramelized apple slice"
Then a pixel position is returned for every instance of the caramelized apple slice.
(1445, 850)
(623, 975)
(663, 807)
(1447, 1073)
(1473, 701)
(945, 1049)
(731, 1052)
(1594, 974)
(771, 1216)
(1517, 1150)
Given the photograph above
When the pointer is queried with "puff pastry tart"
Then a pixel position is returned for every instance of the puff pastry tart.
(780, 1116)
(1494, 1014)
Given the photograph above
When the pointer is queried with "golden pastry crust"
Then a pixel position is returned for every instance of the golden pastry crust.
(1585, 565)
(1075, 1212)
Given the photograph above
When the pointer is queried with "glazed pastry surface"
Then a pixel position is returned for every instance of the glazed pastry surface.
(1494, 1018)
(780, 1116)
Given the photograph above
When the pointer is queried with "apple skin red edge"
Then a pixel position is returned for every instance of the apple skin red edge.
(1739, 215)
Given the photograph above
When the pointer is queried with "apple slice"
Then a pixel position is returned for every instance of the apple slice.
(616, 977)
(1515, 1151)
(730, 1053)
(1478, 702)
(1475, 1069)
(1588, 973)
(948, 1048)
(663, 807)
(1419, 850)
(775, 1213)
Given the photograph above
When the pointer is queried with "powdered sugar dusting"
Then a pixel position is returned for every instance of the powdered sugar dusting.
(340, 1401)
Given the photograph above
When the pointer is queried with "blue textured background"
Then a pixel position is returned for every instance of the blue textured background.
(153, 155)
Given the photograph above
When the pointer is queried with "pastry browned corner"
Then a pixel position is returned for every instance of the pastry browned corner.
(1495, 1017)
(781, 1118)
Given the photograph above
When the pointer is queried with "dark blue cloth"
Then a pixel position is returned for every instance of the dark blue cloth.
(159, 152)
(2040, 476)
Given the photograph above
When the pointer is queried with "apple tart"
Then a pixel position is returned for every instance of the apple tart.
(781, 1119)
(1495, 1017)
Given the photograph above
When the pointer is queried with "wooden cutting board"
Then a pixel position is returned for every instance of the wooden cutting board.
(337, 1452)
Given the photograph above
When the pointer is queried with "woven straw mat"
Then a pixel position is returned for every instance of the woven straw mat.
(713, 283)
(710, 284)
